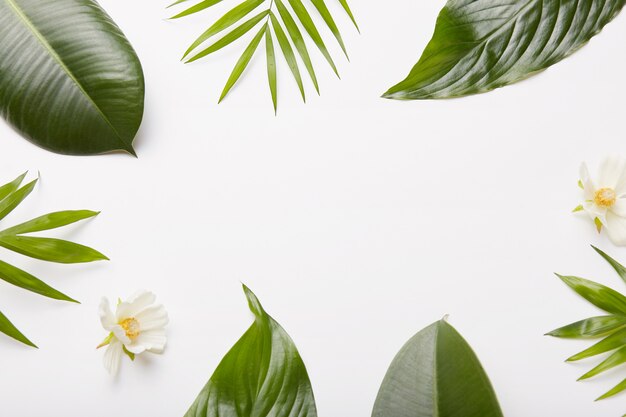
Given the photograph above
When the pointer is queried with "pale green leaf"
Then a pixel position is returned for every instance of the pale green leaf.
(10, 202)
(345, 6)
(590, 328)
(619, 268)
(10, 330)
(616, 359)
(328, 18)
(288, 53)
(203, 5)
(612, 342)
(50, 221)
(621, 387)
(10, 187)
(597, 294)
(271, 66)
(51, 250)
(24, 280)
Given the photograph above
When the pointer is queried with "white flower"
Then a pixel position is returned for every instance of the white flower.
(137, 326)
(605, 199)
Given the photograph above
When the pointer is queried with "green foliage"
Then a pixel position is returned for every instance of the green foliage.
(262, 375)
(51, 250)
(70, 81)
(283, 26)
(436, 374)
(611, 328)
(480, 45)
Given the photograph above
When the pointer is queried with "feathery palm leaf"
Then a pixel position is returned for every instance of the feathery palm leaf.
(46, 249)
(272, 27)
(611, 328)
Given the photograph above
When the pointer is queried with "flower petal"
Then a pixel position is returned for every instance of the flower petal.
(595, 211)
(153, 340)
(611, 173)
(585, 178)
(616, 229)
(120, 334)
(107, 318)
(619, 208)
(135, 305)
(153, 317)
(113, 357)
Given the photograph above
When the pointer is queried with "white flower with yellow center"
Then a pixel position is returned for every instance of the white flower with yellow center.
(137, 326)
(605, 199)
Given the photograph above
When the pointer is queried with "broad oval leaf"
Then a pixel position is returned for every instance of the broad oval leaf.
(69, 79)
(480, 45)
(436, 374)
(262, 375)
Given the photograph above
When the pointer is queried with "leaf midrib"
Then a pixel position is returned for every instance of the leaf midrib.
(42, 40)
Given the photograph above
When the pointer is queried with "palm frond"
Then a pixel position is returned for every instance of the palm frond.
(611, 328)
(277, 20)
(46, 249)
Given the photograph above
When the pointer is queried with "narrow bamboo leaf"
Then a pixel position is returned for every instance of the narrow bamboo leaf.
(23, 279)
(619, 388)
(196, 8)
(619, 268)
(243, 62)
(480, 45)
(51, 250)
(288, 53)
(262, 375)
(50, 221)
(271, 66)
(10, 187)
(9, 203)
(590, 328)
(226, 21)
(436, 374)
(309, 25)
(328, 18)
(10, 330)
(231, 36)
(612, 342)
(298, 41)
(616, 359)
(176, 2)
(602, 297)
(345, 6)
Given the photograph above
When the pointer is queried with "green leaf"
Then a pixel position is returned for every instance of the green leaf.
(262, 375)
(612, 342)
(243, 62)
(590, 328)
(271, 66)
(10, 202)
(309, 26)
(24, 280)
(10, 330)
(619, 268)
(226, 21)
(288, 53)
(71, 82)
(597, 294)
(50, 221)
(616, 359)
(51, 250)
(436, 374)
(298, 41)
(195, 9)
(345, 6)
(619, 388)
(480, 45)
(328, 18)
(10, 187)
(231, 36)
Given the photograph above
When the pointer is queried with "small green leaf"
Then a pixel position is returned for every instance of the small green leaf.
(10, 202)
(262, 375)
(590, 328)
(130, 355)
(50, 221)
(619, 268)
(288, 53)
(581, 185)
(578, 208)
(271, 66)
(612, 342)
(51, 250)
(196, 8)
(618, 388)
(598, 224)
(597, 294)
(10, 330)
(23, 279)
(10, 187)
(616, 359)
(328, 18)
(243, 62)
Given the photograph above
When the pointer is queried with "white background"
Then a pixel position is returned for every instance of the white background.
(357, 221)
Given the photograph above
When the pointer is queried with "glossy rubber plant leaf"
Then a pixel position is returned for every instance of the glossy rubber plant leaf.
(69, 80)
(480, 45)
(262, 375)
(611, 329)
(52, 250)
(436, 374)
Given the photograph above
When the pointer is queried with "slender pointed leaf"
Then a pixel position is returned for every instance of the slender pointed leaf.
(51, 250)
(298, 41)
(176, 3)
(196, 8)
(14, 199)
(288, 53)
(328, 18)
(10, 330)
(262, 375)
(602, 297)
(480, 45)
(226, 21)
(436, 374)
(345, 6)
(271, 66)
(231, 36)
(619, 268)
(50, 221)
(590, 328)
(243, 62)
(612, 342)
(616, 359)
(309, 26)
(621, 387)
(24, 280)
(10, 187)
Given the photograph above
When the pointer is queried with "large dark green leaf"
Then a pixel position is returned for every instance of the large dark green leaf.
(436, 374)
(262, 375)
(69, 79)
(479, 45)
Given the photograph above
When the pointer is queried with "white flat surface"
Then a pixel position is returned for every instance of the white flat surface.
(357, 221)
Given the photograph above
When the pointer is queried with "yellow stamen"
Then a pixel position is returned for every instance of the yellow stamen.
(131, 327)
(605, 197)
